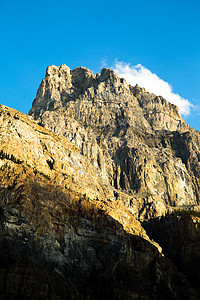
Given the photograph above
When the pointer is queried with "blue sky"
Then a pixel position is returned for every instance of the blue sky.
(161, 36)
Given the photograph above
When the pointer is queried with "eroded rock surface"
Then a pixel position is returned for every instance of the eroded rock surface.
(74, 190)
(137, 142)
(61, 236)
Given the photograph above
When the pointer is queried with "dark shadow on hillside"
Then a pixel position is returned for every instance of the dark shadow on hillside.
(56, 245)
(179, 236)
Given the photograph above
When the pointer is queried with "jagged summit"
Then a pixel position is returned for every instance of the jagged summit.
(76, 192)
(62, 86)
(137, 141)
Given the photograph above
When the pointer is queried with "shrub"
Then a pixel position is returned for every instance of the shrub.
(50, 163)
(4, 155)
(183, 213)
(35, 171)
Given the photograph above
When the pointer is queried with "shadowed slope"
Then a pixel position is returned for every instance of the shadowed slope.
(61, 236)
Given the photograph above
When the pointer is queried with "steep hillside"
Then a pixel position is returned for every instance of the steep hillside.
(137, 142)
(61, 236)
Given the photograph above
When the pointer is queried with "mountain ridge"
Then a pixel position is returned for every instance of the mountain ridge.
(127, 134)
(78, 178)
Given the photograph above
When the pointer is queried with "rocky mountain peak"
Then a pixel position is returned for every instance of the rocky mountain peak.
(82, 79)
(61, 86)
(61, 71)
(137, 141)
(108, 73)
(79, 184)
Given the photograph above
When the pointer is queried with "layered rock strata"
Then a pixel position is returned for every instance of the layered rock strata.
(61, 237)
(137, 142)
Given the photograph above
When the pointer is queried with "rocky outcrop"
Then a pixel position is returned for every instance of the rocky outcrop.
(136, 141)
(61, 236)
(62, 85)
(54, 250)
(42, 154)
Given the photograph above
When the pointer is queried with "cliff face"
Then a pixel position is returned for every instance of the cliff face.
(61, 236)
(73, 193)
(136, 141)
(179, 236)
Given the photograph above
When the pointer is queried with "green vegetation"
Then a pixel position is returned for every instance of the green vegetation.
(4, 167)
(183, 213)
(4, 155)
(35, 171)
(45, 175)
(50, 163)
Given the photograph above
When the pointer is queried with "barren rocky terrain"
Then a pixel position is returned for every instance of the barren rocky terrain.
(87, 178)
(137, 141)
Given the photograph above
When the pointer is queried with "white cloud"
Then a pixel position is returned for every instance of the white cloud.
(152, 83)
(104, 63)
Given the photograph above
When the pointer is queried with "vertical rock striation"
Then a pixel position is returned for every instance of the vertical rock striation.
(137, 141)
(61, 236)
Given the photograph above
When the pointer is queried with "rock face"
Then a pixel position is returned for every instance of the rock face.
(179, 236)
(73, 193)
(61, 236)
(137, 142)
